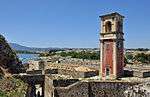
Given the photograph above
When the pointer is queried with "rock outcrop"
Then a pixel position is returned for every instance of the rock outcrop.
(8, 58)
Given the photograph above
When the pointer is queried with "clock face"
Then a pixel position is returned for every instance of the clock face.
(119, 44)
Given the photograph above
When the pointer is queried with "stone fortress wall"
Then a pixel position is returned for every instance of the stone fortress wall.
(95, 89)
(104, 89)
(52, 87)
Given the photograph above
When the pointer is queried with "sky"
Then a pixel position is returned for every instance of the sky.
(71, 23)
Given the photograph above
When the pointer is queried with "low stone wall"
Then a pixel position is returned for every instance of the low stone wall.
(74, 74)
(141, 74)
(64, 82)
(94, 89)
(29, 78)
(34, 72)
(146, 74)
(140, 90)
(47, 71)
(77, 74)
(108, 89)
(51, 71)
(91, 73)
(137, 73)
(75, 90)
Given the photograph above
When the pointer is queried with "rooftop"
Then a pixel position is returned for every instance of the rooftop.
(112, 14)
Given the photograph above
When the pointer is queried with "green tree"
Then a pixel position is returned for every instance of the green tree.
(82, 55)
(129, 56)
(148, 58)
(141, 57)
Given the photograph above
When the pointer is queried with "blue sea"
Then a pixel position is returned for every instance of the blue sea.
(26, 57)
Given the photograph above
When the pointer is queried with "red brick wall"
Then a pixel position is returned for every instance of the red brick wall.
(108, 57)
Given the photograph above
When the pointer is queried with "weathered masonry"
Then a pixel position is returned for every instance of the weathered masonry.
(111, 46)
(51, 87)
(95, 89)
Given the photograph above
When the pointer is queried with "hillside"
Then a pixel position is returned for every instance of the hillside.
(8, 58)
(19, 47)
(9, 64)
(31, 49)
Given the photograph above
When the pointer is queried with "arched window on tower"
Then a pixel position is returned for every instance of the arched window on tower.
(108, 26)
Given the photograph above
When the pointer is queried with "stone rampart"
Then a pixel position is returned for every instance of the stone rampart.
(94, 89)
(75, 90)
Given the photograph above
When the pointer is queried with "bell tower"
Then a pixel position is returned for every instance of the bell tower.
(111, 46)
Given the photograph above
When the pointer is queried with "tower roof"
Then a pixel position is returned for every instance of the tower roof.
(111, 14)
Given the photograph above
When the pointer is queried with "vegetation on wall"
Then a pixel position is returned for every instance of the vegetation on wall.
(11, 87)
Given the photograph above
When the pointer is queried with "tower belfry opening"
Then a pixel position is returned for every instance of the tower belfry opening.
(111, 46)
(108, 26)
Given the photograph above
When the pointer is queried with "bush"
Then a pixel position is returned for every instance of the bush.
(82, 55)
(12, 87)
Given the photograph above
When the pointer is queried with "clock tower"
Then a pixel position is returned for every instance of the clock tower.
(111, 46)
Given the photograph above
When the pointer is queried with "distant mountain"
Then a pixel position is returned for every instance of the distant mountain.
(19, 47)
(32, 49)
